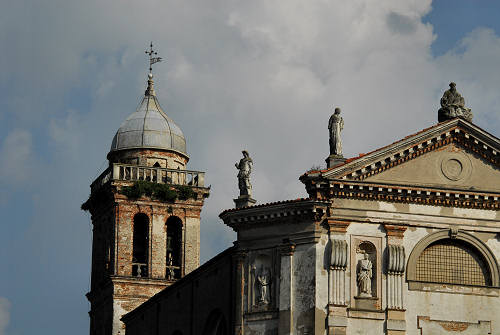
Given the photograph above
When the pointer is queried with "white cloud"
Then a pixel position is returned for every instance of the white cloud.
(259, 75)
(66, 134)
(4, 315)
(16, 157)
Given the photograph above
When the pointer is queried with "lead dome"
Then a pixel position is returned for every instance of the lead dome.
(149, 128)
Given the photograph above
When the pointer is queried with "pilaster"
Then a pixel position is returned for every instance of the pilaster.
(337, 308)
(286, 289)
(239, 258)
(396, 318)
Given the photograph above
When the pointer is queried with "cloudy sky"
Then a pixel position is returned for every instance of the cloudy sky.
(257, 75)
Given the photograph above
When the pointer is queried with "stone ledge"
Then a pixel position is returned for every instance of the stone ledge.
(453, 289)
(365, 314)
(261, 315)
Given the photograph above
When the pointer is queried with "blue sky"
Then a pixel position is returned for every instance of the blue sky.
(261, 75)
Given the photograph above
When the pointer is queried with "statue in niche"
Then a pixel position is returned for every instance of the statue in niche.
(245, 168)
(335, 126)
(263, 280)
(453, 105)
(365, 277)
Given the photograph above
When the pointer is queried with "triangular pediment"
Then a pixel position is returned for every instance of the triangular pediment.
(450, 155)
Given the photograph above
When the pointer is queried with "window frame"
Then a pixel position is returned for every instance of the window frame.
(468, 239)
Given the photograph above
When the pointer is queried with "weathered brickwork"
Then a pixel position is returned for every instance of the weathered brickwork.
(115, 288)
(148, 157)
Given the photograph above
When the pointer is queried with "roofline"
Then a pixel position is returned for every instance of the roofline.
(416, 137)
(268, 205)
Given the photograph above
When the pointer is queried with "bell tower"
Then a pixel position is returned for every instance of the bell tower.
(145, 210)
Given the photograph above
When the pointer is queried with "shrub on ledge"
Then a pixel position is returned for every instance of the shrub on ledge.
(162, 192)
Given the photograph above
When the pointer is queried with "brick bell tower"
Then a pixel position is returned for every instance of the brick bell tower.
(145, 210)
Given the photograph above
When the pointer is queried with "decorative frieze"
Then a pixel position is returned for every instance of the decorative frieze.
(419, 195)
(426, 325)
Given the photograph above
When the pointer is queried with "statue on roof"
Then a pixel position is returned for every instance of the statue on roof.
(245, 168)
(453, 105)
(335, 126)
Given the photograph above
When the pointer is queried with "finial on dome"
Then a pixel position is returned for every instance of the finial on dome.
(150, 90)
(152, 60)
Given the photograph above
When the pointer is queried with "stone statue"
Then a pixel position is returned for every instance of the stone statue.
(365, 277)
(263, 279)
(335, 126)
(453, 105)
(245, 168)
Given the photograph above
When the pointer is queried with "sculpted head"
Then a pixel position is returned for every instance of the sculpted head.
(245, 153)
(337, 110)
(453, 87)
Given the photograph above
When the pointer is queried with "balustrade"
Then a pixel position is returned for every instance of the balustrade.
(139, 270)
(173, 272)
(153, 174)
(158, 175)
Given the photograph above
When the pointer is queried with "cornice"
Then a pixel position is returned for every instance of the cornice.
(409, 194)
(305, 209)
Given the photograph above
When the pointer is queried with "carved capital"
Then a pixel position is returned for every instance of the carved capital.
(338, 256)
(394, 230)
(396, 264)
(337, 226)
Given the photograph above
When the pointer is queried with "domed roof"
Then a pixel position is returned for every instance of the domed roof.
(149, 127)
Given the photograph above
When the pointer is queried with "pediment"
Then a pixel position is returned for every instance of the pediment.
(450, 166)
(451, 155)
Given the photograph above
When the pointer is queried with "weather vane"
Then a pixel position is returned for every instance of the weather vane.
(152, 60)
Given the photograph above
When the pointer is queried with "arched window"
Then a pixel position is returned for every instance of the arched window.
(140, 246)
(456, 259)
(452, 262)
(174, 242)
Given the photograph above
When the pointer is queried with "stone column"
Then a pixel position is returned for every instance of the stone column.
(239, 291)
(337, 308)
(286, 290)
(396, 319)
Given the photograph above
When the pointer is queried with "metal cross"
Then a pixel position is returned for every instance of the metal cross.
(152, 60)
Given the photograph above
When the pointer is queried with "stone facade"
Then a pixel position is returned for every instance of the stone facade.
(402, 240)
